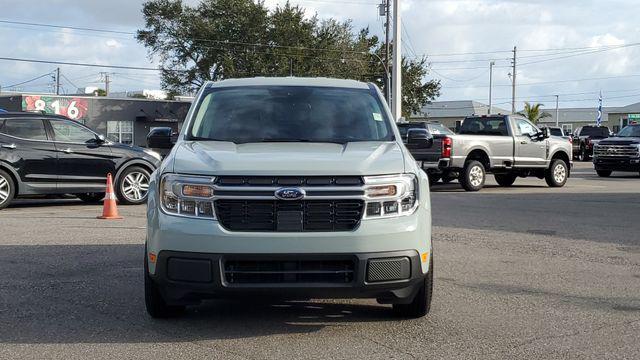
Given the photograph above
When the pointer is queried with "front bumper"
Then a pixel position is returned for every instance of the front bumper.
(617, 164)
(186, 278)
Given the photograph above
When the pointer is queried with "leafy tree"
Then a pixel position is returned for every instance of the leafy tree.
(533, 112)
(100, 92)
(219, 39)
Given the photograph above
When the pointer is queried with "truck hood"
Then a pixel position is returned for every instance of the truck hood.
(227, 158)
(620, 141)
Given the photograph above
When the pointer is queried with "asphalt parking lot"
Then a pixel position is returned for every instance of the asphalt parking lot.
(526, 271)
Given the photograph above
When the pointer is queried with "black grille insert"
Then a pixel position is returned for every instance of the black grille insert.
(270, 215)
(280, 271)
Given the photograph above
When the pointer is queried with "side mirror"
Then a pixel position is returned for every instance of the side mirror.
(160, 138)
(419, 138)
(545, 133)
(101, 139)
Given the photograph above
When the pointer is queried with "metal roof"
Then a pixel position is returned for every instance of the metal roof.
(457, 109)
(289, 81)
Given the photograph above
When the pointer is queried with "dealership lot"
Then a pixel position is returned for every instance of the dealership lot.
(527, 271)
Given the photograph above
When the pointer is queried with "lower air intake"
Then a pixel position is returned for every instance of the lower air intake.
(389, 269)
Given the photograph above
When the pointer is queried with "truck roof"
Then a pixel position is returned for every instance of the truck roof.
(289, 81)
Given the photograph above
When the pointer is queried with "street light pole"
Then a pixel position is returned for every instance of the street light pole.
(396, 109)
(490, 110)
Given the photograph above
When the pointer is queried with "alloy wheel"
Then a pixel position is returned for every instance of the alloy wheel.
(135, 186)
(559, 173)
(5, 189)
(476, 176)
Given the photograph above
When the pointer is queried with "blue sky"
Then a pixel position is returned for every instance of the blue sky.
(594, 41)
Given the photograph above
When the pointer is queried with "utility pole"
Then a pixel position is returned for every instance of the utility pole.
(57, 81)
(105, 76)
(513, 84)
(490, 110)
(557, 110)
(396, 108)
(387, 48)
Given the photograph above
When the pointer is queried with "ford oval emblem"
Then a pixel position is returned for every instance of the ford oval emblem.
(289, 194)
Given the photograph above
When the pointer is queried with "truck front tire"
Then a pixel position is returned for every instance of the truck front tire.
(421, 304)
(505, 179)
(473, 176)
(557, 174)
(157, 308)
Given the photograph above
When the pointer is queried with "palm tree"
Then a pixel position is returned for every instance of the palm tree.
(533, 112)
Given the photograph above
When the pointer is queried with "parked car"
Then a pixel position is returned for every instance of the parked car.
(293, 188)
(584, 139)
(619, 153)
(509, 146)
(49, 154)
(427, 157)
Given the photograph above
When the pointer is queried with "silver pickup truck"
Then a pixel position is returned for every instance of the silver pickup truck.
(507, 146)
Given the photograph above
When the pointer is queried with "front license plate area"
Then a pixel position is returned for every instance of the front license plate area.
(289, 221)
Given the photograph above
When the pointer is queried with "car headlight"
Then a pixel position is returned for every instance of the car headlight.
(390, 195)
(152, 154)
(186, 195)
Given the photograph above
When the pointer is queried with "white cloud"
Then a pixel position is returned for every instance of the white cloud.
(434, 26)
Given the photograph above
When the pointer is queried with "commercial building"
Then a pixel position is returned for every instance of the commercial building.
(126, 120)
(451, 113)
(615, 118)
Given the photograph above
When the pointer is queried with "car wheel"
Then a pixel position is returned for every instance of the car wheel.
(156, 306)
(604, 173)
(421, 304)
(90, 198)
(582, 155)
(557, 174)
(133, 185)
(433, 178)
(505, 179)
(7, 189)
(473, 176)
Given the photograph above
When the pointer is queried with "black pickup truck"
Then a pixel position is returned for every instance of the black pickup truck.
(618, 153)
(428, 157)
(585, 137)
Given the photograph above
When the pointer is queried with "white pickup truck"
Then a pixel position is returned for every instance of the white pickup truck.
(509, 146)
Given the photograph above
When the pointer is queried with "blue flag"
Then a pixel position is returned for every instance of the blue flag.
(599, 118)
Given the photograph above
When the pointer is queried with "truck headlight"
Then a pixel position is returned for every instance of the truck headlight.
(390, 195)
(189, 196)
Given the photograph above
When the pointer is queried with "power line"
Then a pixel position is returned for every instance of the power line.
(86, 64)
(30, 80)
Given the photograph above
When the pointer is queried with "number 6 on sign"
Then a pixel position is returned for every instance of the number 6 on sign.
(72, 111)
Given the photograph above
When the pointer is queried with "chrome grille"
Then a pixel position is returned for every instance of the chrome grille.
(616, 151)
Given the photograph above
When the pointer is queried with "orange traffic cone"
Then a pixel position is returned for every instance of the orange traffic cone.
(110, 209)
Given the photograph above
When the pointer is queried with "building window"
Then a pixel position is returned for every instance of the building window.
(120, 131)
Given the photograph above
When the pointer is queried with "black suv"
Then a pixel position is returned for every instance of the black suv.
(49, 154)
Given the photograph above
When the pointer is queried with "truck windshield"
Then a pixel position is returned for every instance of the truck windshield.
(630, 131)
(290, 114)
(490, 125)
(595, 131)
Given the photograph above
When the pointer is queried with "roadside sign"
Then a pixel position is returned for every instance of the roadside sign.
(633, 116)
